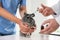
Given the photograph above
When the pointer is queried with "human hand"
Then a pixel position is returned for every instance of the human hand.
(53, 25)
(45, 10)
(32, 29)
(24, 28)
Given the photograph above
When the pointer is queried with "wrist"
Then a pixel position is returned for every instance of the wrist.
(18, 21)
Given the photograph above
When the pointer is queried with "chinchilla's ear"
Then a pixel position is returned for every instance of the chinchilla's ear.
(32, 15)
(25, 13)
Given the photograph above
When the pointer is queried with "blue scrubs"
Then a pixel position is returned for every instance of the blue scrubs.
(6, 26)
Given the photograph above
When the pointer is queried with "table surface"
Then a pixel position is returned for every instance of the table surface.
(33, 37)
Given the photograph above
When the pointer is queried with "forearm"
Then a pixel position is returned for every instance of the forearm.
(22, 10)
(8, 15)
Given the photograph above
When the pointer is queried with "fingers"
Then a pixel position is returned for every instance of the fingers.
(50, 28)
(24, 29)
(28, 30)
(47, 28)
(24, 32)
(44, 30)
(49, 31)
(43, 6)
(45, 12)
(32, 29)
(41, 10)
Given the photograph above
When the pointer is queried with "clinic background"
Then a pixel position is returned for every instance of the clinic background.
(32, 6)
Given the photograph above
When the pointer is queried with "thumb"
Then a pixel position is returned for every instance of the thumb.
(43, 6)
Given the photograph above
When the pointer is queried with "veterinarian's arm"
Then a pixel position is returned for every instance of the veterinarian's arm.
(22, 8)
(4, 13)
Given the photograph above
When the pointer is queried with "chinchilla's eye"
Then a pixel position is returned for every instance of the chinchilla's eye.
(27, 17)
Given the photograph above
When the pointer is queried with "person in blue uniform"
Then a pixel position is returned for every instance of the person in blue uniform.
(8, 19)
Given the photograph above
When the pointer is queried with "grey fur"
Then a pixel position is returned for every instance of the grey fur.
(28, 18)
